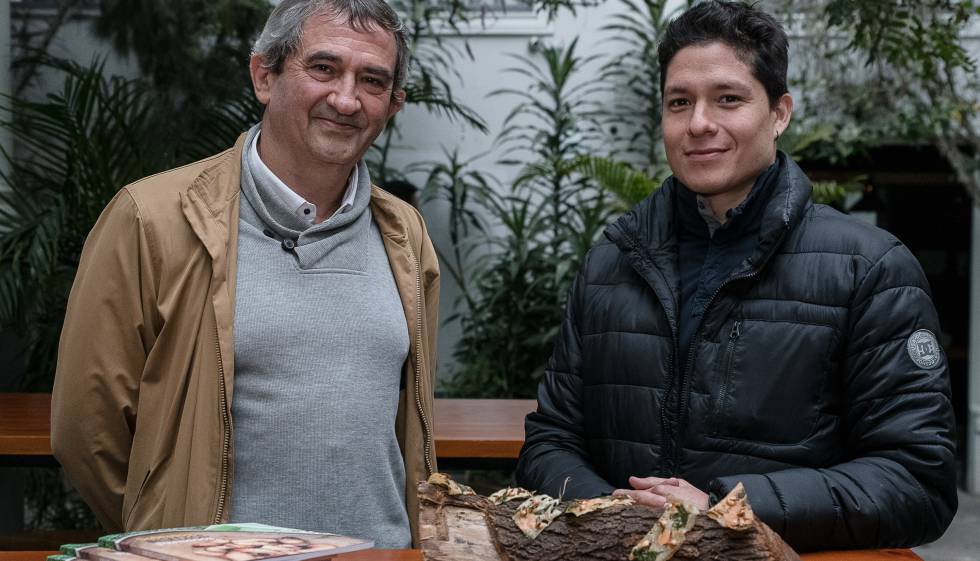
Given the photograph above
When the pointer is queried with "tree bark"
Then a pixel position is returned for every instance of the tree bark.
(472, 528)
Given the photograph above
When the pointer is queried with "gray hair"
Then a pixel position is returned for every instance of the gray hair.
(283, 31)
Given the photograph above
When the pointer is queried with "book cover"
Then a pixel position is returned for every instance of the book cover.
(234, 542)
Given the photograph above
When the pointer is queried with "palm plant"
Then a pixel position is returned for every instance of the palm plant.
(626, 183)
(636, 165)
(456, 183)
(221, 122)
(550, 127)
(536, 234)
(634, 78)
(505, 337)
(167, 37)
(878, 72)
(76, 148)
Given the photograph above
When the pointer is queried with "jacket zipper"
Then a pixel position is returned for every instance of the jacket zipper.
(226, 437)
(426, 430)
(671, 441)
(729, 349)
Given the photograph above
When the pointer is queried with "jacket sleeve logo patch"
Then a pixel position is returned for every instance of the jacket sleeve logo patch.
(923, 349)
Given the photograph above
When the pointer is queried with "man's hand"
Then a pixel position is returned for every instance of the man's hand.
(655, 491)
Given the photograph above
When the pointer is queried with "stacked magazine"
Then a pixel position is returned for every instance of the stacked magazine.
(223, 542)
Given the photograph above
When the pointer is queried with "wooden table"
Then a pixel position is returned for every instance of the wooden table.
(25, 424)
(480, 428)
(464, 428)
(416, 555)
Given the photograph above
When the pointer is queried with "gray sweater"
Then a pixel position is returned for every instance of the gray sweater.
(320, 342)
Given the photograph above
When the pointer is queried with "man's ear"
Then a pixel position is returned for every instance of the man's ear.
(783, 111)
(397, 102)
(262, 79)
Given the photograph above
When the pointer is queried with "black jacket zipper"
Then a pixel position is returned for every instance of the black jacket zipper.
(726, 371)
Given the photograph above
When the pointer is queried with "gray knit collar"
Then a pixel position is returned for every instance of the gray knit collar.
(277, 217)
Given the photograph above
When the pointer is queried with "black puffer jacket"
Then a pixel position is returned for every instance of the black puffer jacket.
(802, 384)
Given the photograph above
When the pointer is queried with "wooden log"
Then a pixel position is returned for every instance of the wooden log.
(469, 527)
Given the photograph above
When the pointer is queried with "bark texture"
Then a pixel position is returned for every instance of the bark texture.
(471, 528)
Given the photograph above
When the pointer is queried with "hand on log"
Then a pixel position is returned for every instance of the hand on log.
(458, 525)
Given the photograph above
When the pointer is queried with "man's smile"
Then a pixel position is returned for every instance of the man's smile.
(705, 154)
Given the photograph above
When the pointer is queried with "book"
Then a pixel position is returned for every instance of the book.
(96, 553)
(231, 542)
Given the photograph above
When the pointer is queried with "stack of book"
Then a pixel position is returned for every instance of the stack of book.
(223, 542)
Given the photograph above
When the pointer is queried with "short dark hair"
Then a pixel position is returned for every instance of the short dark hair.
(756, 37)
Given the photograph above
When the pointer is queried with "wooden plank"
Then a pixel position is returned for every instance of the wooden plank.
(480, 428)
(464, 428)
(25, 424)
(416, 555)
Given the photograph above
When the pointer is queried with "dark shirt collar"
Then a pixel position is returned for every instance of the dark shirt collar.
(695, 216)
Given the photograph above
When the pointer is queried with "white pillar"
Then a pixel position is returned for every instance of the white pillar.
(973, 384)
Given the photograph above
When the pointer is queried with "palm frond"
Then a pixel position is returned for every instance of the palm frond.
(628, 184)
(77, 147)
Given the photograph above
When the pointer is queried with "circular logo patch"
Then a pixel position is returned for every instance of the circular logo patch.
(924, 349)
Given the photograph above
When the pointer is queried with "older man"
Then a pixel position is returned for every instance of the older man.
(252, 337)
(732, 331)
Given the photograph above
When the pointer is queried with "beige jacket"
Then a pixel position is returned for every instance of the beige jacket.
(141, 408)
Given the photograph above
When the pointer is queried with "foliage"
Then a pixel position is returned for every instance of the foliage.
(216, 126)
(634, 78)
(435, 60)
(79, 146)
(835, 193)
(508, 317)
(626, 183)
(75, 149)
(434, 63)
(456, 183)
(884, 71)
(537, 233)
(167, 37)
(632, 121)
(34, 31)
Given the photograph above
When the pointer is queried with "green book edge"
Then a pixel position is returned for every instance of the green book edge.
(72, 548)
